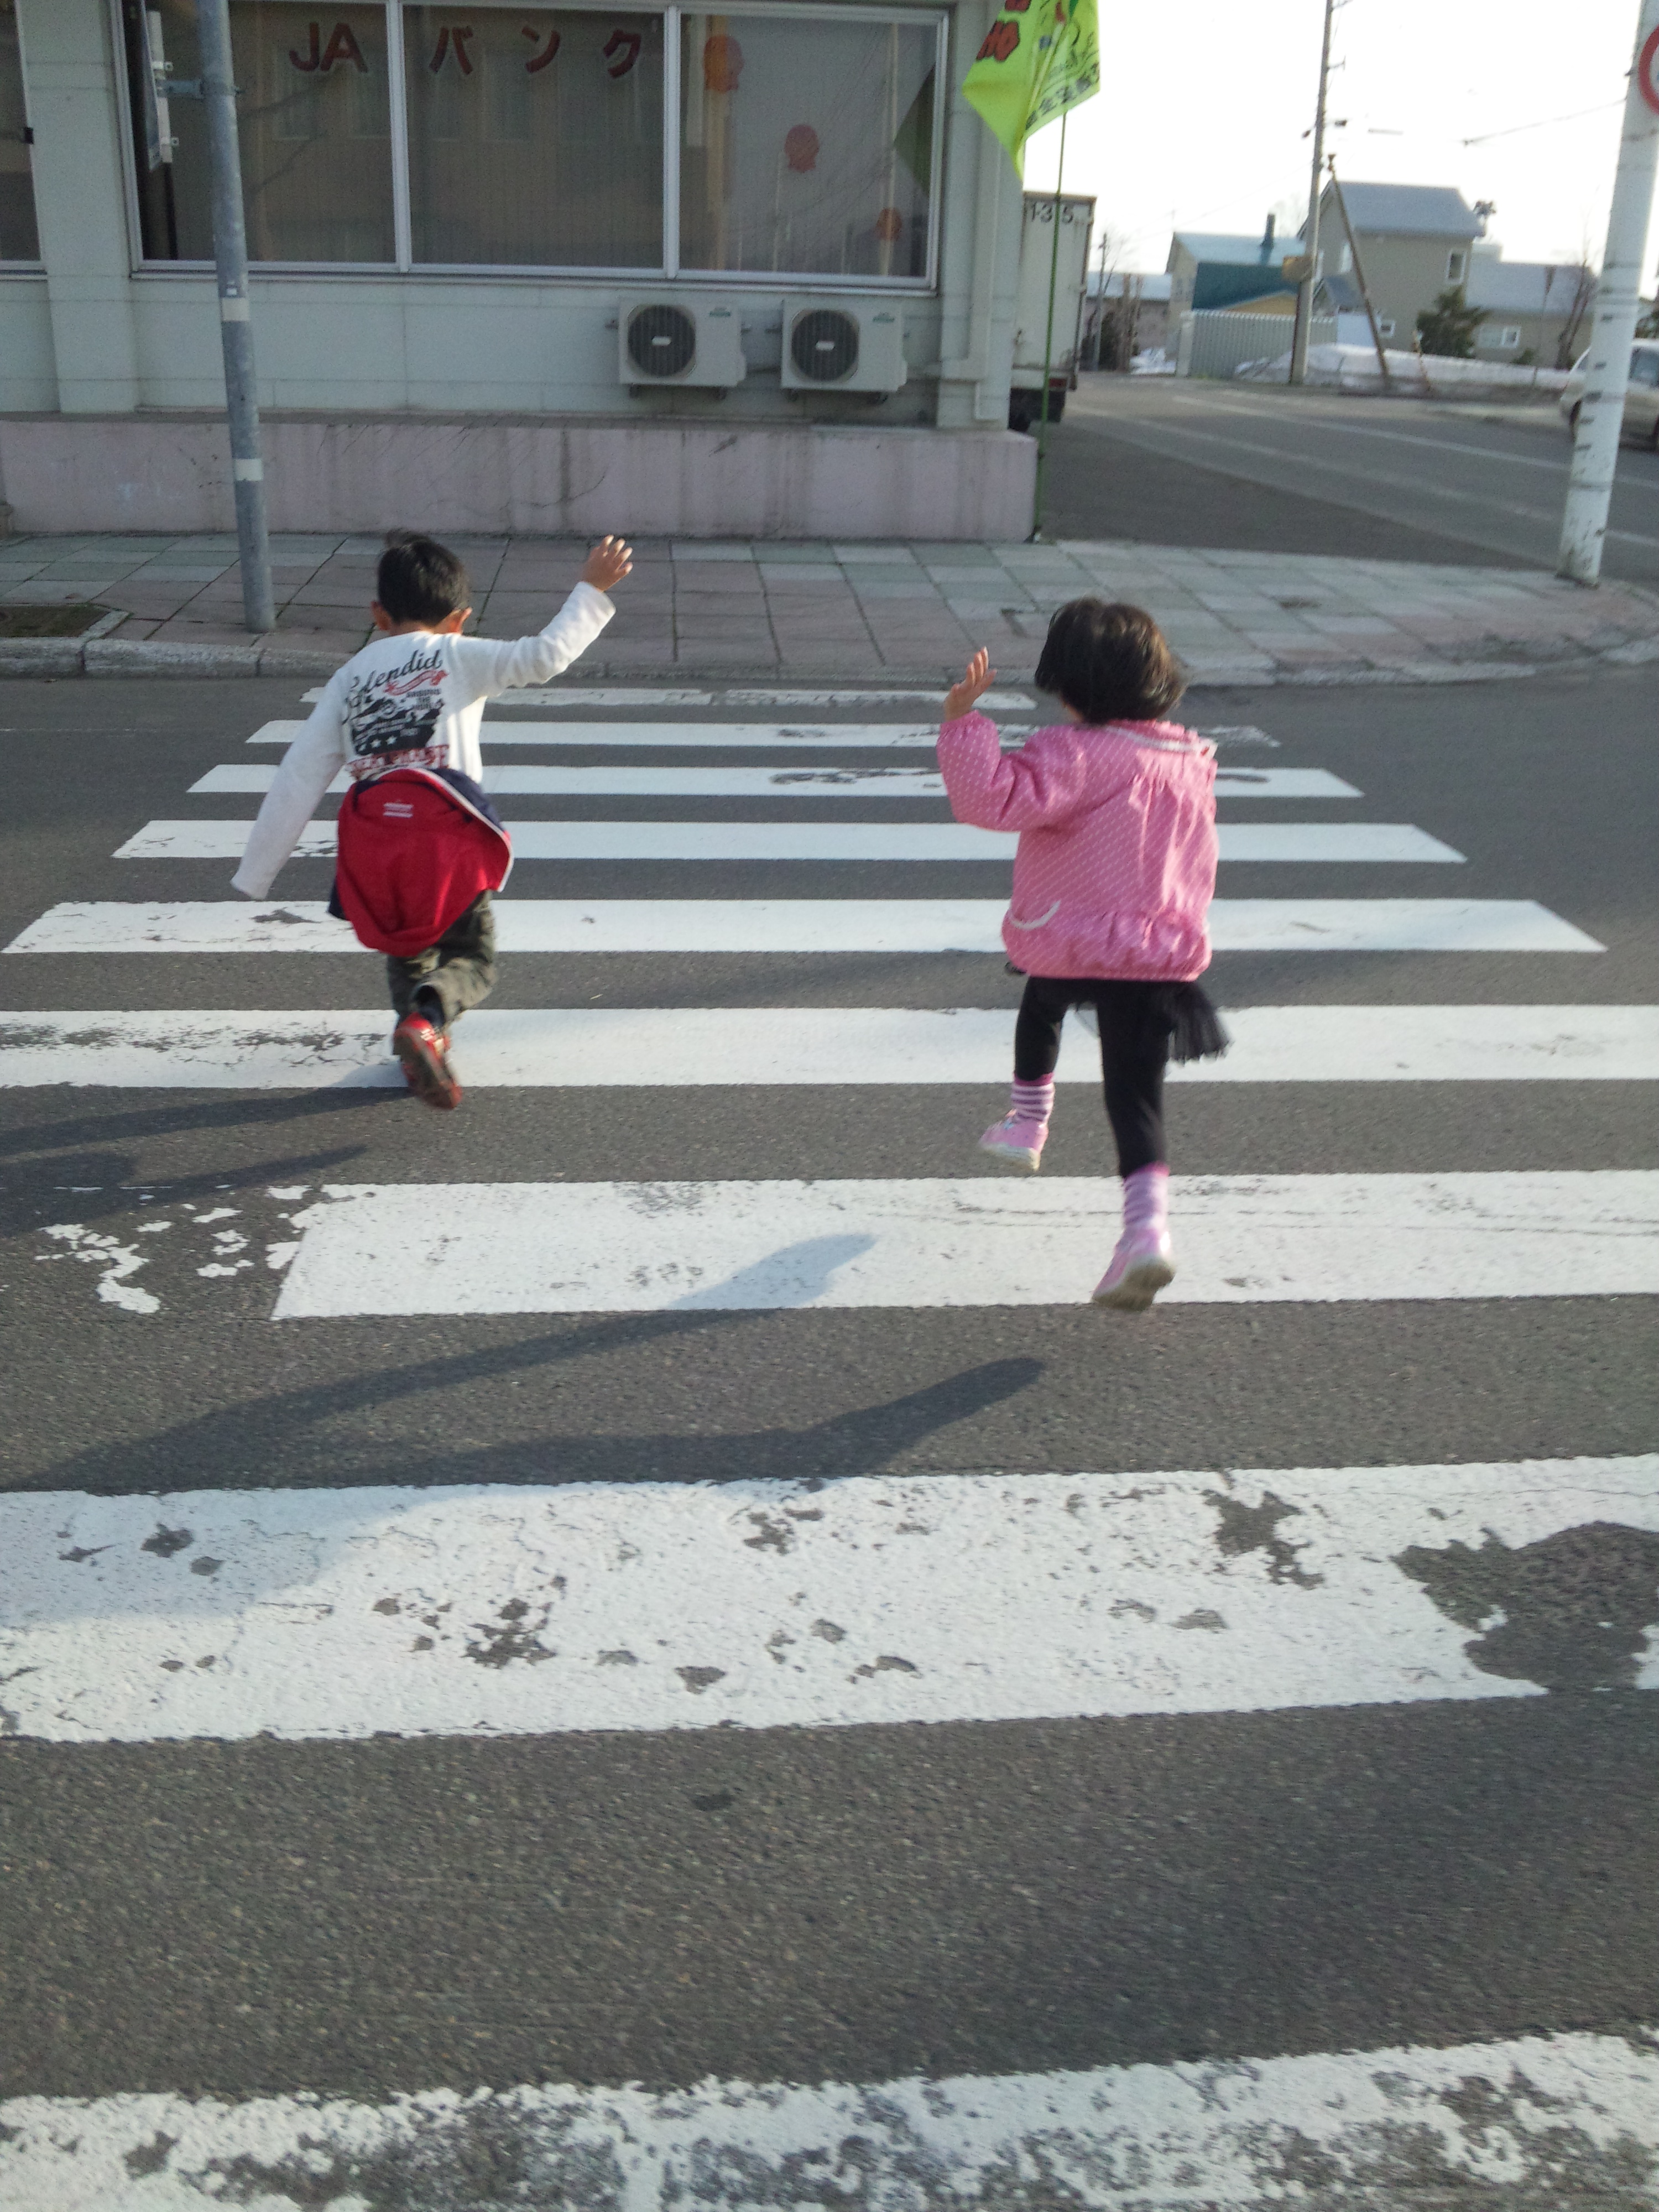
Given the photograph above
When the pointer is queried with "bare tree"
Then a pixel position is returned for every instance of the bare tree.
(1110, 244)
(1583, 292)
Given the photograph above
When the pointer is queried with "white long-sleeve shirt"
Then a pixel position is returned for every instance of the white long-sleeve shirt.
(420, 697)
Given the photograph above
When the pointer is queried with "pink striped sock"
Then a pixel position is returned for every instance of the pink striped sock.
(1032, 1101)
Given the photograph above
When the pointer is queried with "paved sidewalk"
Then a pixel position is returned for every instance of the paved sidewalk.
(715, 609)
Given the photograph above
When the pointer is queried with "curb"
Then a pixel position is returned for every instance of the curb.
(93, 655)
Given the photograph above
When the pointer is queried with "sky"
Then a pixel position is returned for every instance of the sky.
(1199, 122)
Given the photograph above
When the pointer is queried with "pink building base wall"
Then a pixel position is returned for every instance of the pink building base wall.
(156, 472)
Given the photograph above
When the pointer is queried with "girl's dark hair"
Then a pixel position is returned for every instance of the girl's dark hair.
(1109, 661)
(418, 579)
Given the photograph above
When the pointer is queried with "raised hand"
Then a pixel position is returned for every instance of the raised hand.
(608, 564)
(959, 700)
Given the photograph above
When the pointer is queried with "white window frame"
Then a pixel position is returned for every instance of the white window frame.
(1385, 326)
(1457, 265)
(1509, 338)
(726, 280)
(36, 267)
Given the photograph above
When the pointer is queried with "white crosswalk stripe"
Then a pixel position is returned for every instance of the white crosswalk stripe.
(1324, 844)
(1191, 2137)
(433, 1247)
(658, 1047)
(800, 926)
(337, 1615)
(640, 1605)
(773, 781)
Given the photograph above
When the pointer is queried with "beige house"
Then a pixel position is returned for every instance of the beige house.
(1415, 241)
(1535, 310)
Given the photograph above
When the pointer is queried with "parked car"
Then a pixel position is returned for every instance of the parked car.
(1641, 395)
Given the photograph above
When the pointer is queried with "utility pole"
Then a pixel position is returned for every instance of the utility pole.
(1049, 349)
(1304, 291)
(1601, 413)
(247, 466)
(1359, 277)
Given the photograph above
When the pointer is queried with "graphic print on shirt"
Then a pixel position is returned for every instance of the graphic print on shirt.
(395, 712)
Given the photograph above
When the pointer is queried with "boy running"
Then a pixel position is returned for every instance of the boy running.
(420, 847)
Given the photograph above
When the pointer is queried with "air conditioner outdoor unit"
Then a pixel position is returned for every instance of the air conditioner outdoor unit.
(680, 340)
(842, 345)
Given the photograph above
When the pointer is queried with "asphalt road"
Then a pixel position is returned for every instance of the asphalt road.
(383, 1915)
(1187, 462)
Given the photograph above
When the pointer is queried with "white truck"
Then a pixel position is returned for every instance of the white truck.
(1036, 261)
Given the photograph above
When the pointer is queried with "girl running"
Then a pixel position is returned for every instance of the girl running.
(1113, 876)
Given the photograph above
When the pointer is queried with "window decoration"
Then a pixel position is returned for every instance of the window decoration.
(537, 137)
(843, 189)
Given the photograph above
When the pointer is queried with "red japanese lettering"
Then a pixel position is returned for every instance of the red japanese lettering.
(452, 39)
(315, 56)
(627, 44)
(541, 60)
(342, 47)
(1001, 41)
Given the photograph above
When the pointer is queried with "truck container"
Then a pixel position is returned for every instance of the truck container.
(1037, 260)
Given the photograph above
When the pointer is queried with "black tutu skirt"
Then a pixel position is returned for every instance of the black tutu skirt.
(1184, 1013)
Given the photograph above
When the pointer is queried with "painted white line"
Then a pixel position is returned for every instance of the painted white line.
(575, 699)
(1290, 843)
(520, 1610)
(433, 1248)
(1289, 783)
(256, 776)
(800, 926)
(606, 1047)
(1539, 2119)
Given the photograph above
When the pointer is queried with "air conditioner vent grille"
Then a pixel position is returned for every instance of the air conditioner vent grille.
(824, 345)
(662, 340)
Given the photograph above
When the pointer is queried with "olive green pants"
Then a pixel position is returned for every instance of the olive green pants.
(459, 970)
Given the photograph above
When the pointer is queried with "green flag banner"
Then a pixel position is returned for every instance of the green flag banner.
(1040, 58)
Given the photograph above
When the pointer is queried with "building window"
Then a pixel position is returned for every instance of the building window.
(314, 120)
(19, 239)
(535, 136)
(1456, 262)
(807, 144)
(1385, 326)
(1509, 337)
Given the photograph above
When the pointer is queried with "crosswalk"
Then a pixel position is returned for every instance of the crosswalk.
(328, 1617)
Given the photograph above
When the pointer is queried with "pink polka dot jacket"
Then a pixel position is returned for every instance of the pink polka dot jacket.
(1116, 865)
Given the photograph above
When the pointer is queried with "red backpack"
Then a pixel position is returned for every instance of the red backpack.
(416, 847)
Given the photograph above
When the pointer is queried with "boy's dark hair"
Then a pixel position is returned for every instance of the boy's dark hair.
(418, 579)
(1109, 661)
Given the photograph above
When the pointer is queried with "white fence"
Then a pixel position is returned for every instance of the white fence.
(1214, 344)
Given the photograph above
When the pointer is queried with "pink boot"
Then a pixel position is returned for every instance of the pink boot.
(1143, 1263)
(1017, 1140)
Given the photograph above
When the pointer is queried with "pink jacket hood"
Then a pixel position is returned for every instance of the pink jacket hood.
(1116, 865)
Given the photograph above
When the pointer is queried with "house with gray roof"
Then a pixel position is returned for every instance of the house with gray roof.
(1538, 308)
(1415, 242)
(1211, 269)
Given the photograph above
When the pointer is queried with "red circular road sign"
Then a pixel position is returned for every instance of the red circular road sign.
(1647, 70)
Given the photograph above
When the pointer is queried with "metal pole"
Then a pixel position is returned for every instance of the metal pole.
(247, 466)
(1304, 291)
(1048, 347)
(1601, 412)
(1359, 277)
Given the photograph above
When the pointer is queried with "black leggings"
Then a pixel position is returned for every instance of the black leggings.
(1134, 1050)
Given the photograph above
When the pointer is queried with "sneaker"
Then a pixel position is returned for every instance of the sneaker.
(1141, 1267)
(1017, 1142)
(424, 1052)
